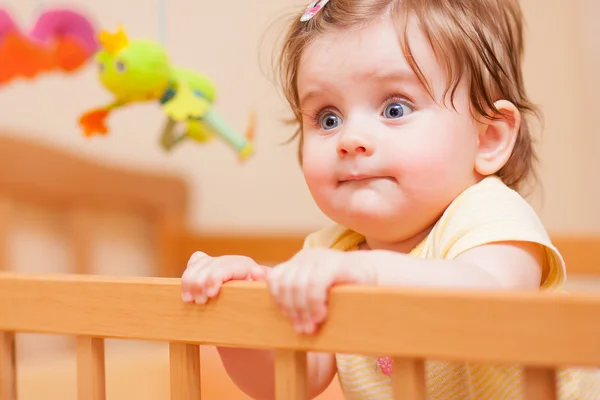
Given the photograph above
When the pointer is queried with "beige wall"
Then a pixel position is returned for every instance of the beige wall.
(591, 50)
(560, 79)
(268, 194)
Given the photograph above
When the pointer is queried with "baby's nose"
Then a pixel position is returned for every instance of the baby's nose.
(354, 146)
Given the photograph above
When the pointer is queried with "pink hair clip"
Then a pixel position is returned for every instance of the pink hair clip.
(313, 8)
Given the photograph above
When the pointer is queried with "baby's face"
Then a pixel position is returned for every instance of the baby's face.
(380, 155)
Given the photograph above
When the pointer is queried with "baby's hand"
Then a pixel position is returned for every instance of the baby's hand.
(300, 286)
(205, 275)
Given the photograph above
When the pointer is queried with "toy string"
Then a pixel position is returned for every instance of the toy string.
(160, 5)
(39, 6)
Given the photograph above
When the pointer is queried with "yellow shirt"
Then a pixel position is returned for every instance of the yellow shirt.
(487, 212)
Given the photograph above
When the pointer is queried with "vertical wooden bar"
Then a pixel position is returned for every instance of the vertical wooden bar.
(80, 243)
(8, 352)
(5, 223)
(91, 380)
(540, 384)
(8, 366)
(290, 375)
(165, 237)
(408, 379)
(185, 371)
(80, 228)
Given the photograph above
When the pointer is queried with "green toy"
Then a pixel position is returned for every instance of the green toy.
(140, 71)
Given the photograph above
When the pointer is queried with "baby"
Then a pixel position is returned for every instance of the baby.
(414, 140)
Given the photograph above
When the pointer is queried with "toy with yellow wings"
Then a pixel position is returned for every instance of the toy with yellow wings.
(140, 71)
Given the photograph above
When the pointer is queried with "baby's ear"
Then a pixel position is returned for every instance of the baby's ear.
(497, 138)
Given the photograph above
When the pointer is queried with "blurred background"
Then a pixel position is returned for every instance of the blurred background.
(230, 206)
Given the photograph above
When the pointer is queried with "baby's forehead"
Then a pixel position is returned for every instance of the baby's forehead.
(369, 51)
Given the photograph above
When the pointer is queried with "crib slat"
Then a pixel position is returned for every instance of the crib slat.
(8, 366)
(290, 375)
(80, 226)
(5, 220)
(185, 371)
(408, 379)
(540, 384)
(91, 381)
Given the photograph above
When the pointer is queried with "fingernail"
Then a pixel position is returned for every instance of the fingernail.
(187, 297)
(211, 291)
(200, 299)
(309, 328)
(258, 272)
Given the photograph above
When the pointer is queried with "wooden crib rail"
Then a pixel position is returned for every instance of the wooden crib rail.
(539, 331)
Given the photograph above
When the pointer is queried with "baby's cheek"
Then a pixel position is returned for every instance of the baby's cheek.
(319, 175)
(436, 173)
(418, 163)
(435, 155)
(317, 179)
(422, 172)
(316, 167)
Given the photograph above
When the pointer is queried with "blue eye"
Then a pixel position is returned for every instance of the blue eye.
(396, 110)
(329, 121)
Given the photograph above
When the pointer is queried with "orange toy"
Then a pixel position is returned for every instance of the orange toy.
(94, 122)
(61, 40)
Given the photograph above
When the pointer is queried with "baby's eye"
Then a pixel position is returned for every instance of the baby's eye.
(396, 110)
(329, 121)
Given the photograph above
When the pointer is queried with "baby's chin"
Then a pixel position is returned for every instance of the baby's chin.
(387, 232)
(367, 221)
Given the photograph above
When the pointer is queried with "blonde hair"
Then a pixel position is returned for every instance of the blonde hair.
(477, 40)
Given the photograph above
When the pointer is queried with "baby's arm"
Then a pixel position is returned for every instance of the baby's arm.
(301, 286)
(253, 371)
(489, 238)
(503, 265)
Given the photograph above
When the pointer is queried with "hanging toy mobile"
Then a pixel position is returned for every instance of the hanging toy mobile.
(140, 71)
(61, 40)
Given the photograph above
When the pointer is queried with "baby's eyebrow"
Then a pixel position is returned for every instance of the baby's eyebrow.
(312, 93)
(405, 75)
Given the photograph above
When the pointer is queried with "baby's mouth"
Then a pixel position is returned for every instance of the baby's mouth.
(363, 178)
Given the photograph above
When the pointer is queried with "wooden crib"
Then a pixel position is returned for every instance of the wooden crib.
(91, 307)
(539, 331)
(80, 192)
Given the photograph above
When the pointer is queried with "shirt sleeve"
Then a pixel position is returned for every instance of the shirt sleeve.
(492, 212)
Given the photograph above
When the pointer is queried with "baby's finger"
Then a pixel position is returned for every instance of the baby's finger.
(259, 272)
(196, 260)
(317, 295)
(273, 276)
(197, 256)
(186, 285)
(227, 269)
(277, 279)
(292, 289)
(198, 283)
(302, 283)
(188, 281)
